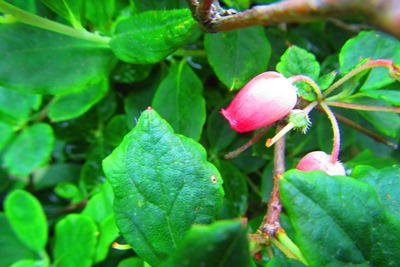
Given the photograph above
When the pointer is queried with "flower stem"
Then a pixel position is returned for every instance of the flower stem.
(311, 82)
(25, 17)
(370, 64)
(363, 107)
(236, 152)
(336, 132)
(289, 126)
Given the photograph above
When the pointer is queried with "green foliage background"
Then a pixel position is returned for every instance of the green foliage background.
(74, 96)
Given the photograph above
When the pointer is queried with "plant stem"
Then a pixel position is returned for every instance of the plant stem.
(290, 125)
(25, 17)
(271, 219)
(363, 107)
(370, 64)
(365, 131)
(336, 132)
(236, 152)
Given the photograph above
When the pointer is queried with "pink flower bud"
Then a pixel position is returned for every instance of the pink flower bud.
(264, 100)
(319, 160)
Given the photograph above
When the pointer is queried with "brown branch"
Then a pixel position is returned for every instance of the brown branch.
(271, 223)
(385, 14)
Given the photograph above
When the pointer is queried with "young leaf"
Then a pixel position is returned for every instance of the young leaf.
(373, 45)
(75, 240)
(30, 149)
(297, 61)
(223, 243)
(246, 53)
(163, 185)
(66, 107)
(151, 36)
(58, 64)
(352, 228)
(69, 9)
(27, 219)
(179, 100)
(100, 12)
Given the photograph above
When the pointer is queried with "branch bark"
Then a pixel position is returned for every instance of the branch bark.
(384, 14)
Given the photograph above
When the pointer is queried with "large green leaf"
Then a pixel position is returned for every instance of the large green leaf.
(34, 60)
(179, 100)
(239, 55)
(223, 243)
(339, 220)
(386, 183)
(27, 219)
(30, 149)
(370, 45)
(7, 132)
(163, 185)
(72, 105)
(12, 249)
(75, 240)
(151, 36)
(68, 9)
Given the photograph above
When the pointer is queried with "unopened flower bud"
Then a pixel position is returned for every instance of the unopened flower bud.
(264, 100)
(319, 160)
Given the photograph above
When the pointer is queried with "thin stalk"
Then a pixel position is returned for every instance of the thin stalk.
(289, 126)
(282, 248)
(311, 82)
(363, 107)
(370, 64)
(336, 132)
(236, 152)
(37, 21)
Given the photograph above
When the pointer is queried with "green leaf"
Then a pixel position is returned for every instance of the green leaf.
(151, 36)
(75, 240)
(99, 208)
(66, 107)
(131, 262)
(30, 149)
(223, 243)
(179, 100)
(370, 45)
(279, 262)
(129, 73)
(53, 174)
(163, 185)
(115, 130)
(69, 9)
(58, 64)
(7, 132)
(366, 157)
(27, 219)
(219, 132)
(385, 122)
(100, 12)
(297, 61)
(141, 6)
(352, 228)
(389, 96)
(12, 249)
(235, 188)
(229, 52)
(16, 107)
(386, 183)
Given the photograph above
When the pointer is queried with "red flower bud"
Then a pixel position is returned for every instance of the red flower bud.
(319, 160)
(264, 100)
